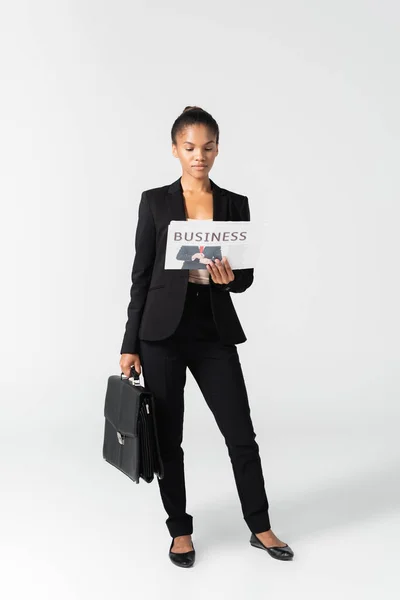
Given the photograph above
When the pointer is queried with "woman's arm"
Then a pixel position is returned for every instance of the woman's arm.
(145, 251)
(243, 277)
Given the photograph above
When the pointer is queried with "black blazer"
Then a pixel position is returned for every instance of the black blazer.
(157, 295)
(186, 252)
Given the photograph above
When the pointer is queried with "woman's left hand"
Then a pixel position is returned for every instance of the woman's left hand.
(221, 271)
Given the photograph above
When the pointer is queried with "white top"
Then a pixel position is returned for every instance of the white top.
(200, 276)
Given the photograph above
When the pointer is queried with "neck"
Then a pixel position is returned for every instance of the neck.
(191, 184)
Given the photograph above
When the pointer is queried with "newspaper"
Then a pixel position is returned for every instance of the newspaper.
(193, 244)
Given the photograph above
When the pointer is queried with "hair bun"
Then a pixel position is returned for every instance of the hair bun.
(191, 108)
(190, 116)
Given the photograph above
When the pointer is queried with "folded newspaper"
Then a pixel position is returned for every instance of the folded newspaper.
(193, 244)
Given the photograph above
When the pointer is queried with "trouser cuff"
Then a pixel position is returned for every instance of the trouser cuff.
(180, 526)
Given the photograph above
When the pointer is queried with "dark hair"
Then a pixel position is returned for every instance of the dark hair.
(191, 115)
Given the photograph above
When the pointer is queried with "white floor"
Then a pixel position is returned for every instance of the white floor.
(76, 528)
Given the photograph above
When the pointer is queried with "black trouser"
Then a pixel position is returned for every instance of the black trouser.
(217, 370)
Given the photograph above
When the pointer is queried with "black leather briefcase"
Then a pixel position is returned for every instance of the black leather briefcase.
(130, 431)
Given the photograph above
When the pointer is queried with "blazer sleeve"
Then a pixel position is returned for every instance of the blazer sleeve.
(185, 253)
(243, 277)
(145, 252)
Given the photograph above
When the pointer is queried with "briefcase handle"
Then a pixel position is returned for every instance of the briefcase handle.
(134, 375)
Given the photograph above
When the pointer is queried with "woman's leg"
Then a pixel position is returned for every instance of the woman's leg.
(164, 373)
(217, 370)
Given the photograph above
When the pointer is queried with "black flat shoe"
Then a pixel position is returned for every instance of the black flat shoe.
(182, 559)
(279, 552)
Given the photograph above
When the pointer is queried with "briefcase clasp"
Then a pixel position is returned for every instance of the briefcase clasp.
(121, 439)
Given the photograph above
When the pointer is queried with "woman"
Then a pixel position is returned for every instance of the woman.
(186, 318)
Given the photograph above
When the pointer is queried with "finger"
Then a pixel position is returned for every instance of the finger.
(220, 266)
(215, 274)
(213, 270)
(228, 266)
(222, 270)
(227, 273)
(226, 262)
(220, 274)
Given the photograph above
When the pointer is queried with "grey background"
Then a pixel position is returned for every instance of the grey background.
(306, 96)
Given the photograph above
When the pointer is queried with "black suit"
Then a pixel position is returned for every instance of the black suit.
(158, 294)
(173, 325)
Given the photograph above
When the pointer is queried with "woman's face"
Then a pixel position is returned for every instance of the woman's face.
(196, 146)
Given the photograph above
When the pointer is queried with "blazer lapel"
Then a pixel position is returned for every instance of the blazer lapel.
(176, 202)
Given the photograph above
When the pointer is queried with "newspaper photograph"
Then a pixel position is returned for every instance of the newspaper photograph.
(191, 245)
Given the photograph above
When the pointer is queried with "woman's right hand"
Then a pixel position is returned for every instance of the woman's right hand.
(130, 360)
